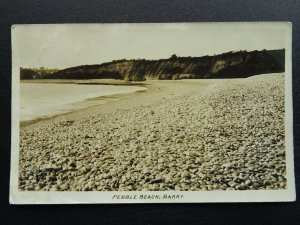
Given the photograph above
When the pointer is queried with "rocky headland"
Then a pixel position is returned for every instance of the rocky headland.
(240, 64)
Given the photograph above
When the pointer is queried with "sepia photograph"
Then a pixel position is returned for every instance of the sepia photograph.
(157, 112)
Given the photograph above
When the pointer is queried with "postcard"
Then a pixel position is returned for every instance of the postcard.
(152, 113)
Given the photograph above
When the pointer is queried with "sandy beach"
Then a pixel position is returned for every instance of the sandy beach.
(176, 135)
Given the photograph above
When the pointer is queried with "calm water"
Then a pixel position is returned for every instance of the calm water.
(41, 100)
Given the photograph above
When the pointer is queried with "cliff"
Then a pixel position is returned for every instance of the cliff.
(227, 65)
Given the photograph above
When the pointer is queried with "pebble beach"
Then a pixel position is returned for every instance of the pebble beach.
(228, 136)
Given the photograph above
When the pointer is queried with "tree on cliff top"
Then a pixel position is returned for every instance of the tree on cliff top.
(174, 56)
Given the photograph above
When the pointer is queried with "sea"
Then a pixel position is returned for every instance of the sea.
(40, 100)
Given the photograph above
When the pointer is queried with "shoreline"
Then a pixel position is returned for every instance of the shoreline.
(155, 90)
(85, 107)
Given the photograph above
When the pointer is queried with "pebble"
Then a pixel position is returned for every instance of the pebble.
(230, 137)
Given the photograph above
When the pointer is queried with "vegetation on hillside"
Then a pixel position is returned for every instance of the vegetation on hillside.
(239, 64)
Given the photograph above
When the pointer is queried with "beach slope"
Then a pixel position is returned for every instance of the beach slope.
(226, 135)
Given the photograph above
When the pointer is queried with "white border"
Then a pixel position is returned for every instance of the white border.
(23, 197)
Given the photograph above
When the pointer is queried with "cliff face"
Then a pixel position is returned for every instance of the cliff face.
(228, 65)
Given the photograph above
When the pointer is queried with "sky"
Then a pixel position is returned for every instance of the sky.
(67, 45)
